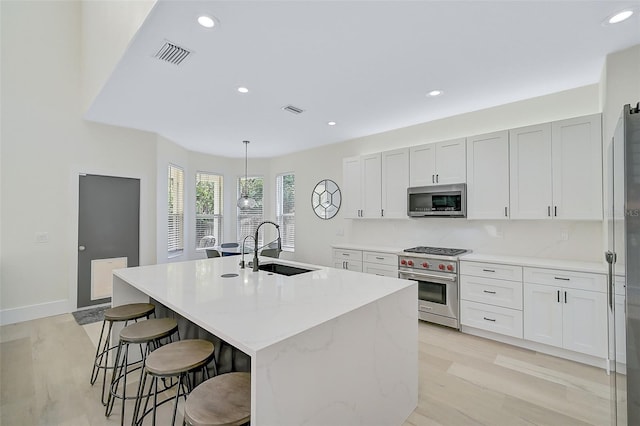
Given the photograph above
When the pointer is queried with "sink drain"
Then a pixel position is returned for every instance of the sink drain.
(229, 275)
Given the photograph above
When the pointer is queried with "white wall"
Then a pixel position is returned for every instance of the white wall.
(107, 27)
(313, 235)
(45, 145)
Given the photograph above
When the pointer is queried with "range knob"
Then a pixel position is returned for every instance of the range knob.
(425, 265)
(441, 266)
(403, 262)
(449, 267)
(410, 263)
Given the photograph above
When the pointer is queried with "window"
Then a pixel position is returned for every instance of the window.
(248, 220)
(286, 209)
(208, 210)
(175, 228)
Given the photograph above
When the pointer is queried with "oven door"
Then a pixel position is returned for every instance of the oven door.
(437, 297)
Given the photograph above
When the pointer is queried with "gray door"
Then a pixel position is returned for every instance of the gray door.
(108, 232)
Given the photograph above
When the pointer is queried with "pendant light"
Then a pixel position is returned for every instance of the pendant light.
(245, 202)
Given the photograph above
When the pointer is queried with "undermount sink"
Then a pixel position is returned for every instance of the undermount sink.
(287, 270)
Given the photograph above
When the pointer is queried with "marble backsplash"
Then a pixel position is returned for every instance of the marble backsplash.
(570, 240)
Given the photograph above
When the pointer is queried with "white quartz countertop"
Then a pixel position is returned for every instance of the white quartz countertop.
(257, 309)
(535, 262)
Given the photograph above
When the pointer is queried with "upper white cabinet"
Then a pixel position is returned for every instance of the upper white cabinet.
(577, 168)
(530, 172)
(556, 170)
(395, 180)
(375, 185)
(351, 187)
(488, 176)
(438, 163)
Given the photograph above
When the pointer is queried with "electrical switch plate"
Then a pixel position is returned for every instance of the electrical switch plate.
(42, 237)
(340, 232)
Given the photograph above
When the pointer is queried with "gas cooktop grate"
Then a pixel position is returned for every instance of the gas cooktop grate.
(442, 251)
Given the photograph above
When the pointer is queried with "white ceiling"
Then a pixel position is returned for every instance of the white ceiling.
(365, 64)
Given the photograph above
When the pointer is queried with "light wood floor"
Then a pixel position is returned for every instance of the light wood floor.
(464, 380)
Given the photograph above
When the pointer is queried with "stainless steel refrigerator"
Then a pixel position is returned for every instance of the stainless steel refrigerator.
(623, 256)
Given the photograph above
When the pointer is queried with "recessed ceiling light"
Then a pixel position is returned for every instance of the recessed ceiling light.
(206, 21)
(620, 16)
(435, 93)
(243, 90)
(332, 123)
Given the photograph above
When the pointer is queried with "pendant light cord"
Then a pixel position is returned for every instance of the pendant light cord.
(246, 144)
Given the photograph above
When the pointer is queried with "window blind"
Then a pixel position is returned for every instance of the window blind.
(209, 209)
(175, 222)
(286, 209)
(249, 219)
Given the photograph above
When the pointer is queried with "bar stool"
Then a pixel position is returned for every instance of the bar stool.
(122, 313)
(224, 400)
(149, 333)
(176, 359)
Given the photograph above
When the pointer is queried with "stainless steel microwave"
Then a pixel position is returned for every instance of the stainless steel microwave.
(438, 200)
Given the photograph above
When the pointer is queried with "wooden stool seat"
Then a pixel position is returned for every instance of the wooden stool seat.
(224, 400)
(149, 330)
(179, 357)
(128, 312)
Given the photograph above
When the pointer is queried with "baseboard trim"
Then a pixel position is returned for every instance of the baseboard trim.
(28, 313)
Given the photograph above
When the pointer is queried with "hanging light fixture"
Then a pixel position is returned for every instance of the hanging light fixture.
(245, 202)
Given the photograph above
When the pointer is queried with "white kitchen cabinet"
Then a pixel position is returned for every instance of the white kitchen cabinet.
(491, 297)
(572, 315)
(347, 259)
(530, 172)
(351, 187)
(371, 185)
(488, 176)
(375, 185)
(438, 163)
(395, 180)
(577, 168)
(556, 170)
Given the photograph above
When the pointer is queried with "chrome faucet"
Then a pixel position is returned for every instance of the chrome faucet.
(255, 238)
(243, 241)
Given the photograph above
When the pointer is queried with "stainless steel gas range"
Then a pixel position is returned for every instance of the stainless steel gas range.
(436, 271)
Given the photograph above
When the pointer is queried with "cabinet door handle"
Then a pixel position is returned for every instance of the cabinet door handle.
(433, 178)
(489, 319)
(437, 178)
(549, 211)
(489, 292)
(562, 279)
(555, 210)
(382, 212)
(489, 270)
(558, 296)
(505, 212)
(565, 297)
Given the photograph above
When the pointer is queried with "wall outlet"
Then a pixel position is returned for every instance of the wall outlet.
(340, 232)
(564, 235)
(42, 237)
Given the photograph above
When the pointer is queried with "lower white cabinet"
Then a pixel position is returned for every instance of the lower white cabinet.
(347, 259)
(565, 317)
(371, 262)
(491, 318)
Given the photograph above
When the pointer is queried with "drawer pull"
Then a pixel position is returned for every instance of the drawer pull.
(563, 279)
(489, 319)
(489, 292)
(380, 258)
(345, 254)
(489, 270)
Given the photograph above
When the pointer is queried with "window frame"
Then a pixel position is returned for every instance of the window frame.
(177, 212)
(219, 217)
(280, 217)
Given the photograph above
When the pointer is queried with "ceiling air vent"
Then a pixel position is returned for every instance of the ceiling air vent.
(172, 53)
(292, 109)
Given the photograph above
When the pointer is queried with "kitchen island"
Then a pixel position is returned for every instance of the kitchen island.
(327, 347)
